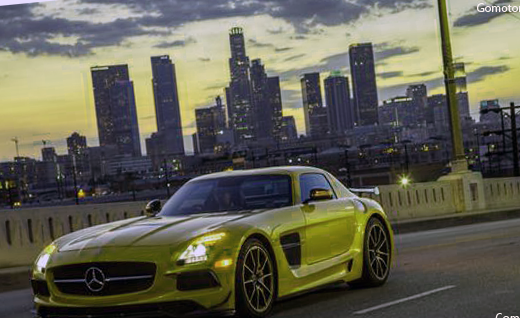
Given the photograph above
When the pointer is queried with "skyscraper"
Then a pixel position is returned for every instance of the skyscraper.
(79, 154)
(238, 94)
(314, 112)
(211, 123)
(340, 112)
(419, 95)
(462, 91)
(167, 107)
(362, 67)
(275, 100)
(263, 119)
(115, 109)
(267, 102)
(288, 130)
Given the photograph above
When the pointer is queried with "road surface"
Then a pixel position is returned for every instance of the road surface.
(467, 271)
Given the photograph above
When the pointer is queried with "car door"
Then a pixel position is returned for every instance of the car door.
(326, 222)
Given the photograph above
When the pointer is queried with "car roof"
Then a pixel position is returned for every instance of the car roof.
(286, 170)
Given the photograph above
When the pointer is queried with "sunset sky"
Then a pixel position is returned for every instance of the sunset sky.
(47, 49)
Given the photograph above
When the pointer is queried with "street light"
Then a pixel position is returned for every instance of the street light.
(404, 181)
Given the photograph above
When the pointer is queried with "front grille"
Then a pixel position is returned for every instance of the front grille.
(104, 278)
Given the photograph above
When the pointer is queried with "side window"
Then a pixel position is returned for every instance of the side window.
(311, 181)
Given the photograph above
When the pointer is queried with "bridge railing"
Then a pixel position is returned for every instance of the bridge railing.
(23, 233)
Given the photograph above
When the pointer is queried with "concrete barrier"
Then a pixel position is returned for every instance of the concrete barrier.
(23, 233)
(502, 192)
(418, 200)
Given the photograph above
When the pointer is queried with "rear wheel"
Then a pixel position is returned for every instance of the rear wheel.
(376, 256)
(255, 280)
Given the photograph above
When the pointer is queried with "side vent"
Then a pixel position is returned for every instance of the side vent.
(291, 246)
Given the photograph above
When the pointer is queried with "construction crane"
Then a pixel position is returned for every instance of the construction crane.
(15, 140)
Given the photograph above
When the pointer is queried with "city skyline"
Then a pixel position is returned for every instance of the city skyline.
(56, 68)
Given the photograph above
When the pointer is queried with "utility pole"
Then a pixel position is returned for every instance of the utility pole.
(74, 171)
(451, 94)
(514, 139)
(165, 168)
(347, 167)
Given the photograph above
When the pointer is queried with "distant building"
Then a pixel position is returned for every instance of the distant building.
(78, 151)
(340, 112)
(398, 112)
(238, 94)
(115, 109)
(438, 106)
(167, 107)
(489, 111)
(288, 131)
(316, 122)
(99, 157)
(364, 86)
(49, 154)
(419, 95)
(274, 94)
(211, 122)
(121, 165)
(462, 91)
(263, 113)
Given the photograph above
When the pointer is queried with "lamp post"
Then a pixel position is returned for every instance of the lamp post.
(459, 156)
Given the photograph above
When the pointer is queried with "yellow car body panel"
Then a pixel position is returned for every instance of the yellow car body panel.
(331, 235)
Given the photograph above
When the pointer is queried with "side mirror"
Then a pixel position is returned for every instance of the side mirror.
(153, 208)
(320, 195)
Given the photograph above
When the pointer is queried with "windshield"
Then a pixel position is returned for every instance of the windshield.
(230, 194)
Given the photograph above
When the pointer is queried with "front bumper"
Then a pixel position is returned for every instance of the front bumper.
(170, 309)
(165, 298)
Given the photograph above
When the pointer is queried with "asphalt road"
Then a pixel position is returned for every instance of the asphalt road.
(466, 271)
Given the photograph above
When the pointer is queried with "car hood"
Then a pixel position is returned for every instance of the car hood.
(140, 232)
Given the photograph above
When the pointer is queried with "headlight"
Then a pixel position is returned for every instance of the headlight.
(199, 250)
(43, 259)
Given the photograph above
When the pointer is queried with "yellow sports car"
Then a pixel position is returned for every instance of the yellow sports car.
(230, 242)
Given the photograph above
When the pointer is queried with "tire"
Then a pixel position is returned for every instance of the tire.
(376, 256)
(255, 285)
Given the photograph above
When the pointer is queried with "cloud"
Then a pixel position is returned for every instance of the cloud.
(299, 37)
(37, 47)
(302, 14)
(482, 72)
(255, 43)
(474, 18)
(386, 75)
(23, 31)
(292, 99)
(385, 50)
(280, 30)
(176, 43)
(88, 11)
(283, 49)
(423, 74)
(294, 57)
(400, 89)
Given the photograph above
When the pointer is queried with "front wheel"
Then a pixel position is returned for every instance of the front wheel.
(255, 280)
(376, 255)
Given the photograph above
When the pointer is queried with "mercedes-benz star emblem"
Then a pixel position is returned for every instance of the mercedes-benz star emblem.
(95, 279)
